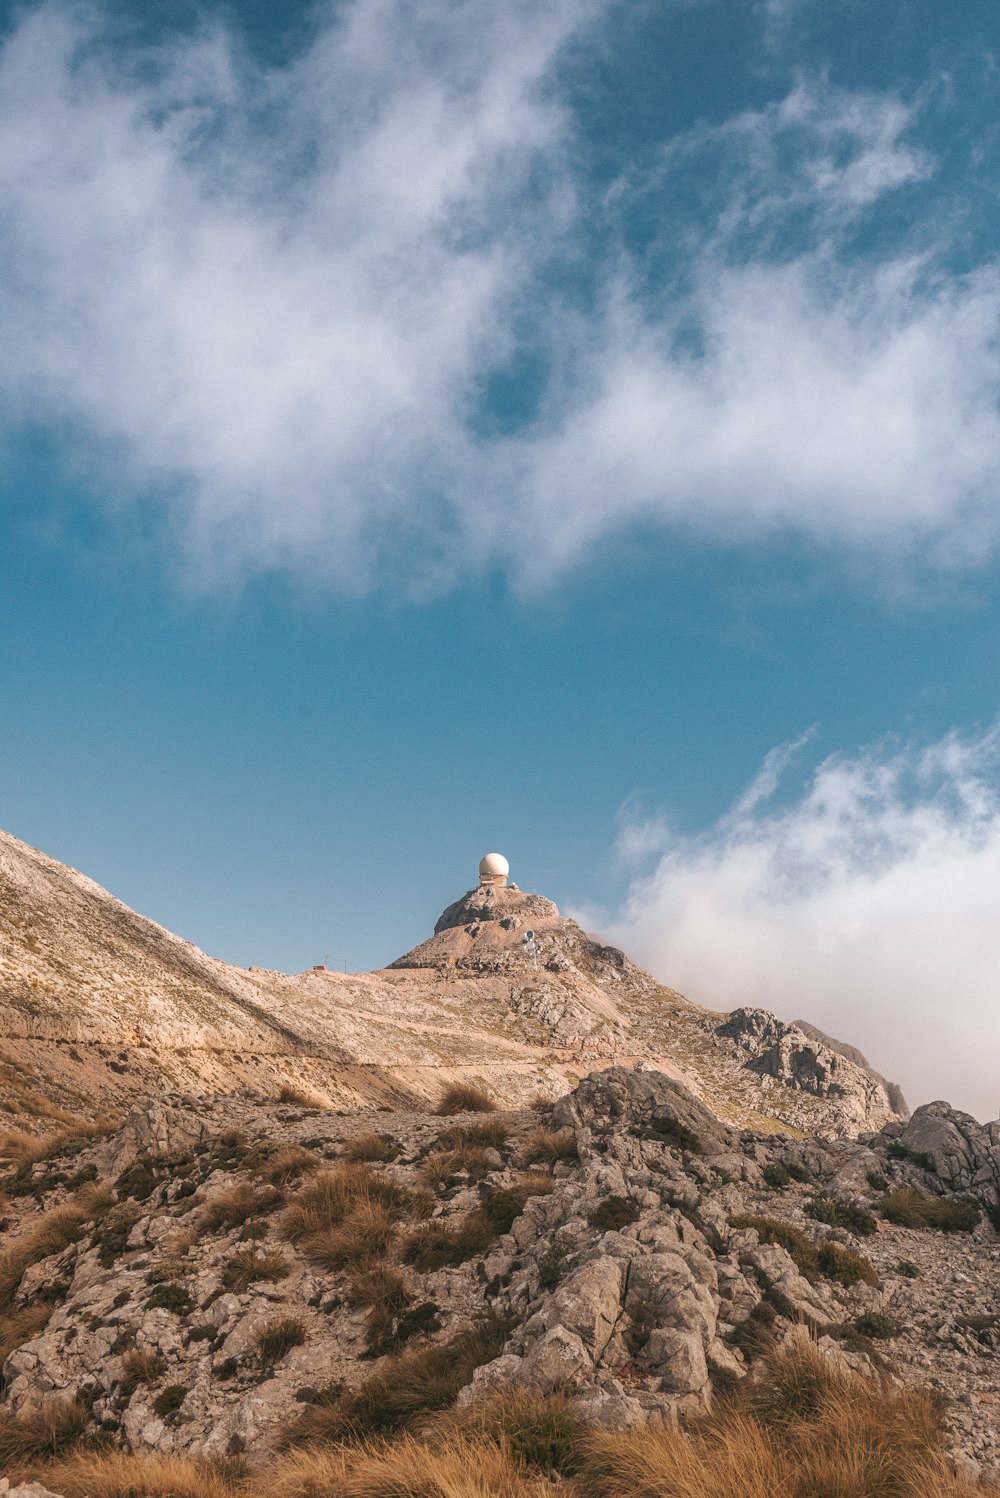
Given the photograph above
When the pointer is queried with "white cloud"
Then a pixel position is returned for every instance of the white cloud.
(269, 294)
(866, 904)
(263, 304)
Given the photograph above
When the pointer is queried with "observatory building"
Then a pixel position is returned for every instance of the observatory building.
(493, 870)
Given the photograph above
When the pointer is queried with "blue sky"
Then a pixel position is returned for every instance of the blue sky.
(569, 428)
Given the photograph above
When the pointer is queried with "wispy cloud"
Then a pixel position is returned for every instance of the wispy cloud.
(864, 901)
(265, 304)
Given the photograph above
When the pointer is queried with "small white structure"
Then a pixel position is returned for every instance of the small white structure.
(493, 869)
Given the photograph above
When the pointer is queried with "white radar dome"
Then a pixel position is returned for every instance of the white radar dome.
(494, 866)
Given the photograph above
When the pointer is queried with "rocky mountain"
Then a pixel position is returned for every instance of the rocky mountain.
(99, 1005)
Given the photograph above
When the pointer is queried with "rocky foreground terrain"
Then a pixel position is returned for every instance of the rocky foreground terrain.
(209, 1277)
(99, 1006)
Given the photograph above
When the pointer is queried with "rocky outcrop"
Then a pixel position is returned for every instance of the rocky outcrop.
(641, 1275)
(801, 1057)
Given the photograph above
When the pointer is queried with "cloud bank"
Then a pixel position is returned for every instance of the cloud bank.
(270, 305)
(865, 903)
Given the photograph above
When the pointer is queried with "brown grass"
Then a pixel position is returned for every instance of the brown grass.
(232, 1208)
(287, 1163)
(361, 1242)
(18, 1327)
(328, 1199)
(49, 1235)
(300, 1096)
(31, 1149)
(369, 1148)
(548, 1146)
(463, 1097)
(140, 1366)
(803, 1428)
(279, 1337)
(405, 1389)
(406, 1469)
(248, 1268)
(469, 1159)
(117, 1474)
(53, 1428)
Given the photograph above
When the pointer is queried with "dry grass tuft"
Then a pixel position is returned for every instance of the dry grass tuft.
(463, 1097)
(548, 1146)
(18, 1327)
(49, 1235)
(45, 1432)
(140, 1366)
(405, 1388)
(370, 1148)
(361, 1242)
(328, 1199)
(248, 1268)
(301, 1097)
(279, 1337)
(232, 1208)
(286, 1164)
(118, 1474)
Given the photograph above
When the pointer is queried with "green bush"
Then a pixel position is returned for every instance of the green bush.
(837, 1212)
(845, 1266)
(875, 1324)
(776, 1175)
(170, 1297)
(614, 1213)
(170, 1399)
(908, 1269)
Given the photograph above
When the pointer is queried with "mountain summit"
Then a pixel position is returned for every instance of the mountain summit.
(99, 1004)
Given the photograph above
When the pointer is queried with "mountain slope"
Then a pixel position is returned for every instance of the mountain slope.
(99, 1004)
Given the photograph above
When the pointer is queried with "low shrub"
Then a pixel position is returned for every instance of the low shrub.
(908, 1269)
(463, 1097)
(170, 1400)
(875, 1324)
(799, 1248)
(171, 1297)
(550, 1266)
(776, 1175)
(754, 1335)
(845, 1266)
(247, 1267)
(435, 1245)
(279, 1337)
(550, 1147)
(112, 1232)
(910, 1208)
(614, 1213)
(837, 1212)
